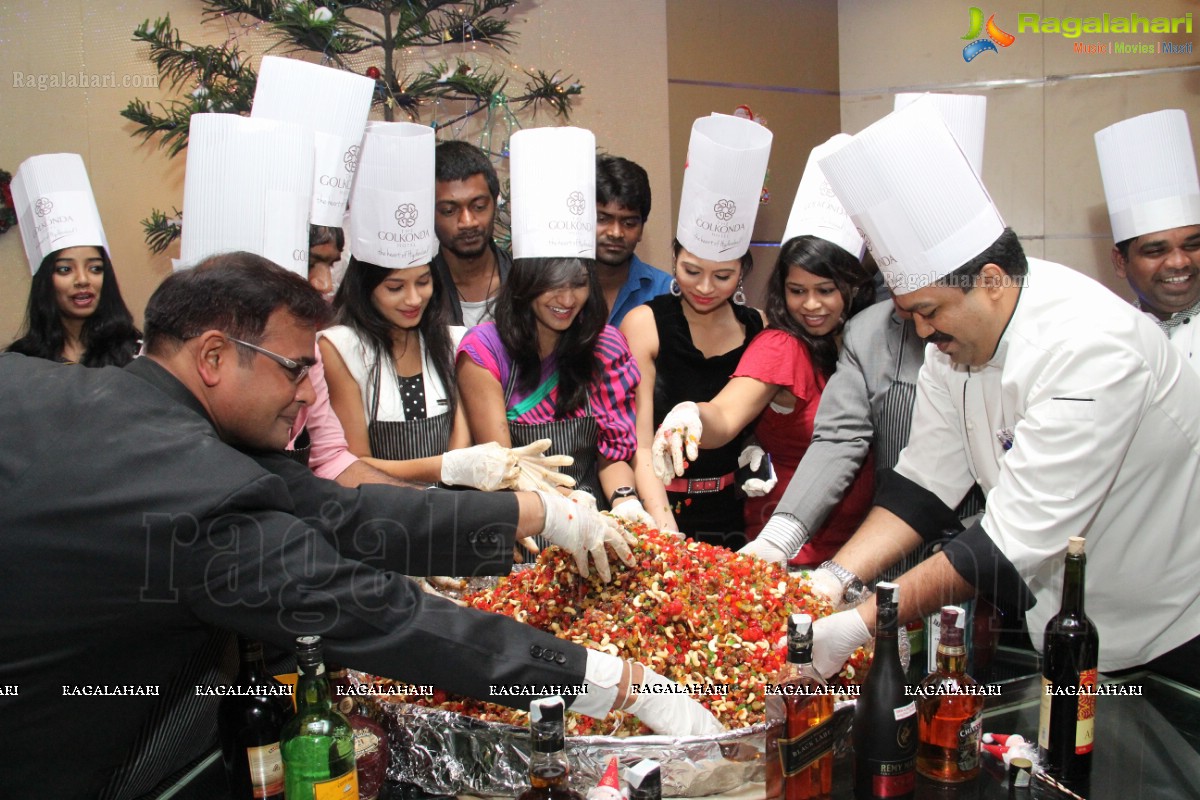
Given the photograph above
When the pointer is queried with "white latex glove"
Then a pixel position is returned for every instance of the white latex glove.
(538, 470)
(583, 531)
(757, 487)
(679, 432)
(487, 467)
(827, 586)
(669, 712)
(585, 499)
(835, 637)
(765, 550)
(632, 511)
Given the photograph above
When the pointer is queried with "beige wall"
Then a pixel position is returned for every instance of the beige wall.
(616, 49)
(1045, 102)
(780, 57)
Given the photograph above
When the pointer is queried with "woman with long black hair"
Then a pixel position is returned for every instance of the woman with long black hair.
(75, 313)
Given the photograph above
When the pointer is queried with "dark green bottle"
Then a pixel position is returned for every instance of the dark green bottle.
(317, 743)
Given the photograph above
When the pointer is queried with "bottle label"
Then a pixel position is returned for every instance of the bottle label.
(1044, 715)
(266, 770)
(799, 753)
(905, 711)
(343, 787)
(893, 778)
(969, 734)
(1086, 725)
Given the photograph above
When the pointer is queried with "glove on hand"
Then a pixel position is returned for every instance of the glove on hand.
(680, 431)
(632, 511)
(757, 487)
(487, 467)
(763, 549)
(835, 637)
(538, 470)
(582, 531)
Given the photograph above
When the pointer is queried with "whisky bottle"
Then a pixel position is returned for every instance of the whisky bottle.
(1070, 652)
(885, 719)
(370, 739)
(317, 743)
(249, 722)
(949, 709)
(645, 782)
(549, 770)
(798, 766)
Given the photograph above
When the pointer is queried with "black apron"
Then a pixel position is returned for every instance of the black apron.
(300, 448)
(577, 437)
(405, 440)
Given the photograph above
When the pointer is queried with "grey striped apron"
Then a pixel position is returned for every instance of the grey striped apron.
(575, 437)
(404, 440)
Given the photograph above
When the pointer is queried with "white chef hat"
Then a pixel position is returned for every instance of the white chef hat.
(391, 211)
(921, 207)
(552, 173)
(964, 114)
(334, 104)
(1149, 173)
(817, 211)
(722, 183)
(248, 186)
(55, 207)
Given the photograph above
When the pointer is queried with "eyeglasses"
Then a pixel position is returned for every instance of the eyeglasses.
(295, 370)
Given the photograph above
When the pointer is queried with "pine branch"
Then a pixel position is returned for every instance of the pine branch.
(549, 89)
(161, 230)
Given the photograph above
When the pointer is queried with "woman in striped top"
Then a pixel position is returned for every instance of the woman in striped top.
(549, 367)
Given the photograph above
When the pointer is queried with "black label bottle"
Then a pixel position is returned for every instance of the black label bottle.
(645, 781)
(318, 743)
(1070, 652)
(248, 726)
(885, 718)
(799, 754)
(549, 771)
(950, 708)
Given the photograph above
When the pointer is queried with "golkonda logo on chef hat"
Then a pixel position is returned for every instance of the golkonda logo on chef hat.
(725, 209)
(576, 203)
(43, 206)
(350, 159)
(406, 215)
(995, 36)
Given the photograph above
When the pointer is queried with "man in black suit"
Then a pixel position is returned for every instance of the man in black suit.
(144, 507)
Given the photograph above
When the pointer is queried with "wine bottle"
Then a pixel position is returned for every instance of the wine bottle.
(797, 769)
(549, 770)
(949, 710)
(645, 781)
(1069, 656)
(249, 722)
(885, 719)
(317, 743)
(370, 739)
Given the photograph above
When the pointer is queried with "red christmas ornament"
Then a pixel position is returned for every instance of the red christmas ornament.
(373, 73)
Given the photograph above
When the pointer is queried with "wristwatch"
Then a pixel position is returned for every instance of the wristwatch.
(620, 493)
(852, 585)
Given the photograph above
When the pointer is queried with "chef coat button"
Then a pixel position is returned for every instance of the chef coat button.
(560, 658)
(548, 655)
(535, 651)
(1186, 320)
(471, 537)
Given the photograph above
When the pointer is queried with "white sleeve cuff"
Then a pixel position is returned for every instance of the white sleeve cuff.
(785, 532)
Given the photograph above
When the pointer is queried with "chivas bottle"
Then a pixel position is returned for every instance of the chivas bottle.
(885, 719)
(370, 739)
(1069, 657)
(548, 767)
(800, 700)
(949, 711)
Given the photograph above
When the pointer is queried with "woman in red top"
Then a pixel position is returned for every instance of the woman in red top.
(815, 287)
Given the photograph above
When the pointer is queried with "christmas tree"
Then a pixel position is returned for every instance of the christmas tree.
(379, 38)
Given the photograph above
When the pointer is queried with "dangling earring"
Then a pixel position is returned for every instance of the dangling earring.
(739, 296)
(676, 290)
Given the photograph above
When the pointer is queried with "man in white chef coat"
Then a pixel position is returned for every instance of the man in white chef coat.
(1153, 193)
(1065, 404)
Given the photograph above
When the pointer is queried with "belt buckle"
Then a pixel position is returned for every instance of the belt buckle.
(703, 485)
